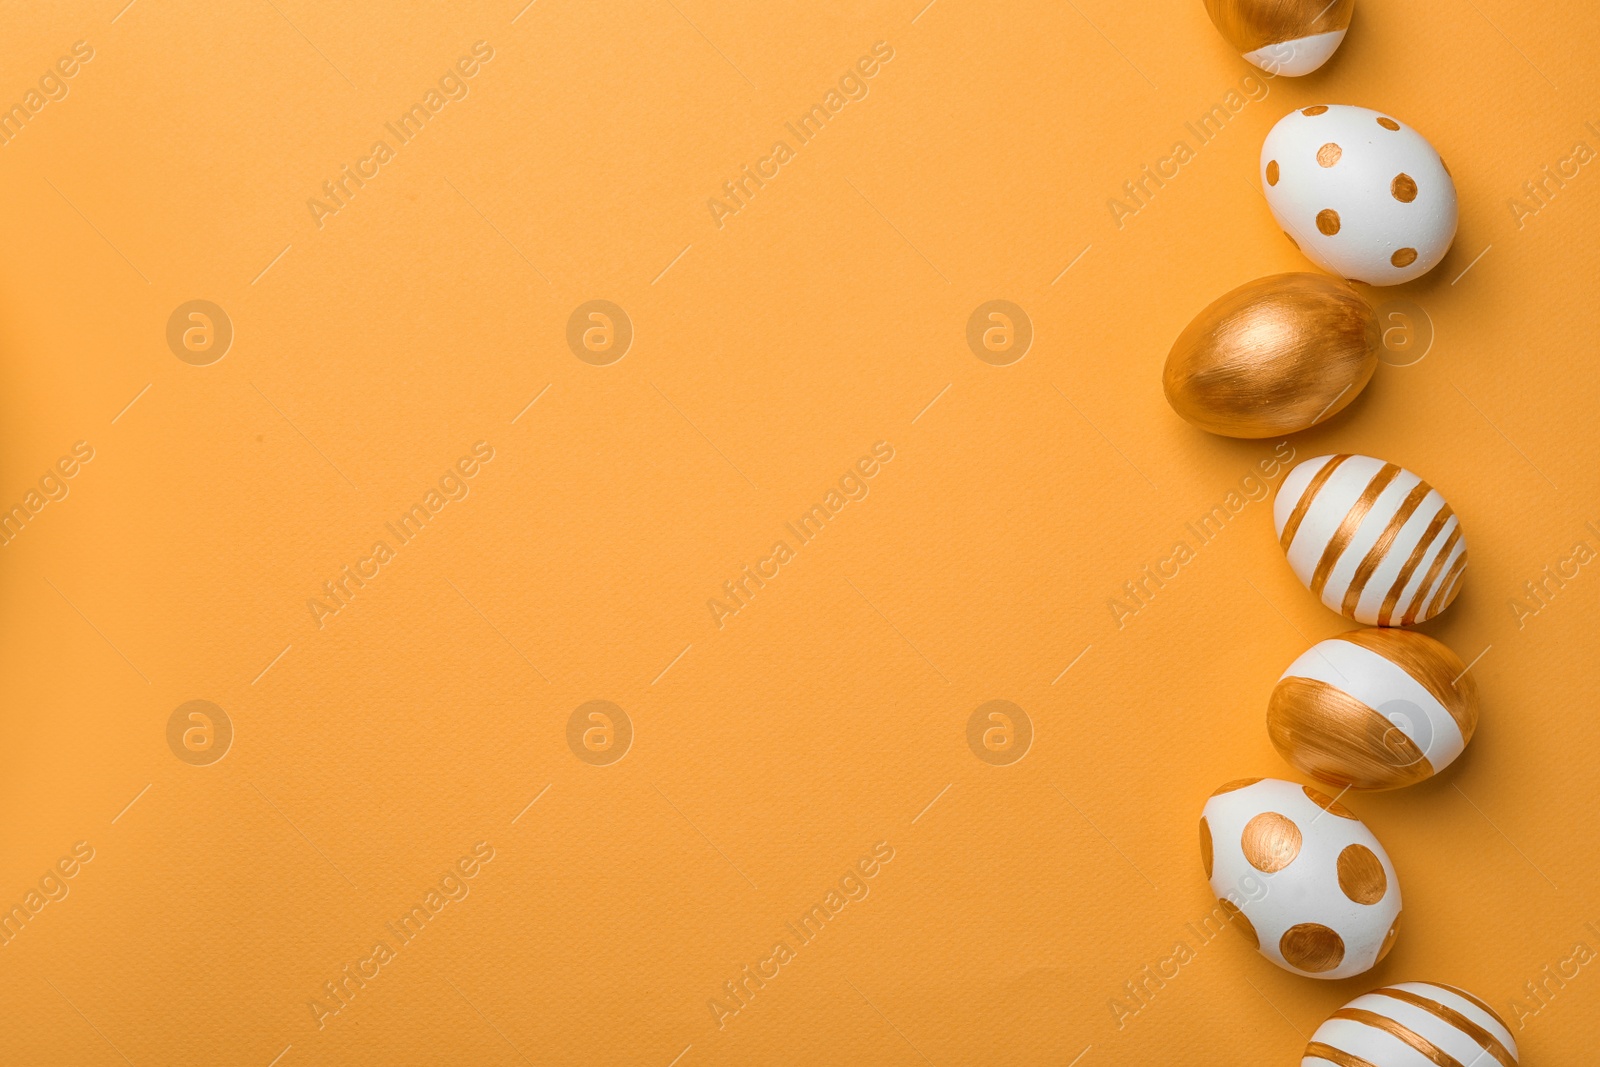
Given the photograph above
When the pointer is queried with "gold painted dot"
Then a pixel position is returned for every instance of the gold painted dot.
(1236, 917)
(1237, 783)
(1327, 803)
(1388, 939)
(1272, 172)
(1388, 124)
(1270, 842)
(1205, 845)
(1312, 947)
(1404, 188)
(1328, 221)
(1314, 109)
(1329, 154)
(1404, 257)
(1361, 875)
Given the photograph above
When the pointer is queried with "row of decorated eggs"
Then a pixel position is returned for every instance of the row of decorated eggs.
(1367, 199)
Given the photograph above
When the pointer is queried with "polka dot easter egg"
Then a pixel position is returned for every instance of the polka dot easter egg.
(1362, 195)
(1412, 1023)
(1300, 877)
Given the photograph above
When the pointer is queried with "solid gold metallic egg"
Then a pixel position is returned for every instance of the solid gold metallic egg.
(1374, 709)
(1274, 356)
(1292, 37)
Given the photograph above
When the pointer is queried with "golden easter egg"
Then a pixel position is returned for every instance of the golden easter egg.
(1291, 37)
(1373, 709)
(1274, 356)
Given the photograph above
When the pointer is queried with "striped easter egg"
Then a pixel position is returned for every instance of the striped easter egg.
(1373, 709)
(1372, 540)
(1410, 1024)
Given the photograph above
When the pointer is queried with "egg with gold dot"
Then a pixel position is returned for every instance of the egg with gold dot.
(1303, 879)
(1361, 194)
(1412, 1023)
(1374, 709)
(1370, 539)
(1291, 37)
(1273, 356)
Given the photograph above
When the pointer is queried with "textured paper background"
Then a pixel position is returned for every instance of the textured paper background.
(371, 352)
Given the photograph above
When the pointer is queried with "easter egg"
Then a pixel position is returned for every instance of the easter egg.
(1360, 194)
(1411, 1023)
(1273, 356)
(1292, 37)
(1373, 709)
(1300, 876)
(1372, 540)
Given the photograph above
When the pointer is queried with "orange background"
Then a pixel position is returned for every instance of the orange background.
(769, 355)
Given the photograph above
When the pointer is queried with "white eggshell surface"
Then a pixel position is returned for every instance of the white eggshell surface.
(1413, 1024)
(1303, 877)
(1361, 194)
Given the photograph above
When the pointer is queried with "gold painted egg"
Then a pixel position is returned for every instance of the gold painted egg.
(1372, 540)
(1274, 356)
(1373, 709)
(1291, 37)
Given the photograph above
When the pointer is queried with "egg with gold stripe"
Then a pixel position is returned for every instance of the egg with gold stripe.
(1374, 709)
(1413, 1024)
(1373, 541)
(1274, 356)
(1292, 37)
(1303, 879)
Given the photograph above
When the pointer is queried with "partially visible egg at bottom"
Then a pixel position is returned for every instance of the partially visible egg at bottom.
(1413, 1024)
(1300, 876)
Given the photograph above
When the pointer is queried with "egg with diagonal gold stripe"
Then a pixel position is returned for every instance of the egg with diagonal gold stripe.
(1374, 709)
(1413, 1024)
(1373, 541)
(1291, 37)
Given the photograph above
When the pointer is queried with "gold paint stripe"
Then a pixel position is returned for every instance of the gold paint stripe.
(1380, 548)
(1444, 1012)
(1434, 569)
(1350, 524)
(1480, 1005)
(1392, 598)
(1434, 665)
(1298, 515)
(1340, 740)
(1434, 1053)
(1451, 578)
(1336, 1055)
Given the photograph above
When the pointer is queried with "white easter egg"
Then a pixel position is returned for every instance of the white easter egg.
(1362, 195)
(1373, 709)
(1301, 877)
(1375, 542)
(1411, 1023)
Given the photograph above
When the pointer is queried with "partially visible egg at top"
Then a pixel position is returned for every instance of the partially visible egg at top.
(1362, 195)
(1292, 37)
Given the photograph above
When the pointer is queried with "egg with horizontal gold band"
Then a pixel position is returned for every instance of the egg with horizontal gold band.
(1370, 539)
(1291, 37)
(1300, 877)
(1411, 1023)
(1276, 355)
(1374, 709)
